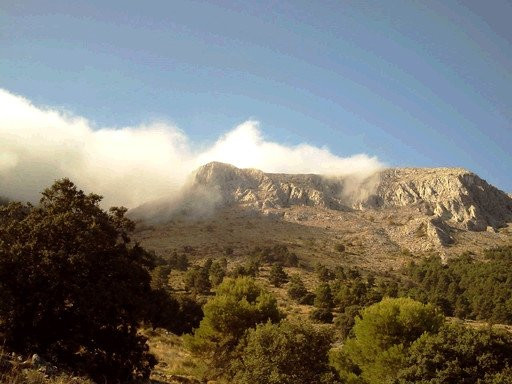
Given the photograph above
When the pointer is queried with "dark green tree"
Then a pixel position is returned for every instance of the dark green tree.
(324, 274)
(217, 273)
(179, 261)
(160, 277)
(73, 287)
(458, 354)
(323, 297)
(277, 276)
(296, 289)
(197, 280)
(324, 304)
(346, 320)
(285, 353)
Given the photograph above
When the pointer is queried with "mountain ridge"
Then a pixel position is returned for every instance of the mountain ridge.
(449, 195)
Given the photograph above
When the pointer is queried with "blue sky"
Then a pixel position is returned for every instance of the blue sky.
(415, 83)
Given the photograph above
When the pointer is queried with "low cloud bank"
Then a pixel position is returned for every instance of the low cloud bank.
(133, 165)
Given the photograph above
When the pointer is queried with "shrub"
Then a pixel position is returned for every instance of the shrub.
(216, 273)
(323, 297)
(324, 274)
(346, 320)
(340, 247)
(197, 279)
(277, 275)
(296, 289)
(321, 315)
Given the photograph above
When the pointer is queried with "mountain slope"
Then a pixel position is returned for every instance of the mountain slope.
(380, 219)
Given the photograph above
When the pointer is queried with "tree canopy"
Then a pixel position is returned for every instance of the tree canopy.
(72, 286)
(238, 304)
(285, 353)
(382, 335)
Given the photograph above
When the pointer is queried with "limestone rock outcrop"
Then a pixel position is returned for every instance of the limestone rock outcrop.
(453, 195)
(447, 195)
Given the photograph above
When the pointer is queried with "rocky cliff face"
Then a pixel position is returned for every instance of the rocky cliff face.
(449, 196)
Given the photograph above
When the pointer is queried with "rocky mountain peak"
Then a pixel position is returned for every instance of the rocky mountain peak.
(448, 195)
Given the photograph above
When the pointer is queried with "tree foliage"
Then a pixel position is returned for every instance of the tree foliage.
(298, 291)
(277, 276)
(382, 335)
(279, 254)
(197, 279)
(238, 304)
(217, 273)
(285, 353)
(73, 288)
(466, 287)
(458, 354)
(323, 297)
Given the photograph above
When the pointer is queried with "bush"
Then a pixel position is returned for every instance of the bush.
(217, 273)
(197, 279)
(180, 314)
(321, 315)
(340, 248)
(179, 261)
(73, 288)
(250, 269)
(277, 254)
(346, 320)
(160, 277)
(323, 297)
(285, 353)
(296, 289)
(277, 275)
(324, 274)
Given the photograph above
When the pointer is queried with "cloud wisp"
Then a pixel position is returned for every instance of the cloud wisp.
(133, 165)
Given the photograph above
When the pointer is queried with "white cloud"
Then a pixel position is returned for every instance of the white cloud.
(132, 165)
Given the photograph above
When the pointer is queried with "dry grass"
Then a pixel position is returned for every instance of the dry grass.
(175, 362)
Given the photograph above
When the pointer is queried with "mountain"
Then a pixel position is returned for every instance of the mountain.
(451, 195)
(380, 217)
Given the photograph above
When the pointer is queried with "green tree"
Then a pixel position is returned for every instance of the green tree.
(197, 280)
(238, 304)
(285, 353)
(321, 315)
(382, 337)
(179, 261)
(324, 274)
(324, 304)
(323, 297)
(217, 273)
(73, 287)
(160, 277)
(458, 354)
(296, 289)
(277, 276)
(346, 320)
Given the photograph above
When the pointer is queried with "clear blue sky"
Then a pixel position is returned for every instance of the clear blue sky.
(416, 83)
